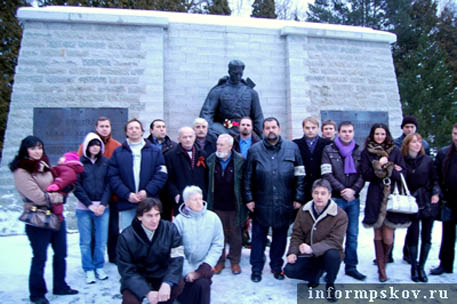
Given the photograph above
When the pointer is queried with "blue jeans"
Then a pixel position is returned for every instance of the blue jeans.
(97, 226)
(352, 210)
(277, 247)
(126, 217)
(40, 239)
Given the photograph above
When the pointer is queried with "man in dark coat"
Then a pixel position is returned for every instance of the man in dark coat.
(158, 136)
(273, 188)
(186, 165)
(446, 166)
(311, 146)
(409, 126)
(246, 138)
(205, 141)
(226, 168)
(137, 170)
(340, 167)
(150, 257)
(317, 238)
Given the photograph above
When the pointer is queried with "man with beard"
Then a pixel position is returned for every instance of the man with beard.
(246, 138)
(186, 167)
(224, 197)
(273, 184)
(159, 136)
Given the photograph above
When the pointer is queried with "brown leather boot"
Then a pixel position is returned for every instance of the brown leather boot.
(236, 269)
(218, 268)
(380, 260)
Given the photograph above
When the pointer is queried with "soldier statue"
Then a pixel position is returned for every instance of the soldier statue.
(230, 100)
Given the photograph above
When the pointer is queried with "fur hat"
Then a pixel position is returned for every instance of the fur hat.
(409, 120)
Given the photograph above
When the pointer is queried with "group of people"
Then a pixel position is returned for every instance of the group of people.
(166, 210)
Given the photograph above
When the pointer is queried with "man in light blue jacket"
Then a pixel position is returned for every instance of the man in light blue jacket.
(203, 240)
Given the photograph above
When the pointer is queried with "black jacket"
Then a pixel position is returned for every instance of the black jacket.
(448, 176)
(93, 183)
(312, 162)
(422, 181)
(375, 193)
(274, 180)
(167, 143)
(210, 145)
(332, 169)
(152, 173)
(183, 172)
(141, 261)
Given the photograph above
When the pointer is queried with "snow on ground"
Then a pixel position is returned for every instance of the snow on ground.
(227, 288)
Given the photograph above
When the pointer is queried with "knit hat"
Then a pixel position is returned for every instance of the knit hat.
(72, 155)
(409, 120)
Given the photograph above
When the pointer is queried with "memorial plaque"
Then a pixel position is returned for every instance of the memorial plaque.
(362, 120)
(64, 129)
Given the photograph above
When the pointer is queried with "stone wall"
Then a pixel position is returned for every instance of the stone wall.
(162, 65)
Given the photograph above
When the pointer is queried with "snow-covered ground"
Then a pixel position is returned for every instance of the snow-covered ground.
(15, 257)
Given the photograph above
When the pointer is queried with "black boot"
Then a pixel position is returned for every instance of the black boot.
(425, 248)
(412, 254)
(331, 292)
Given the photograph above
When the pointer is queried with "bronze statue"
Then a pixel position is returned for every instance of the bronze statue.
(230, 100)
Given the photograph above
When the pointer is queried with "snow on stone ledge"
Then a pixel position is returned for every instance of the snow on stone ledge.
(162, 19)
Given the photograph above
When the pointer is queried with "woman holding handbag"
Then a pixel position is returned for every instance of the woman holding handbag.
(422, 181)
(32, 175)
(381, 163)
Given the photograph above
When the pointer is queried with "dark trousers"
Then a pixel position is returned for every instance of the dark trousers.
(412, 235)
(39, 239)
(128, 297)
(310, 268)
(113, 231)
(277, 247)
(198, 292)
(447, 251)
(232, 236)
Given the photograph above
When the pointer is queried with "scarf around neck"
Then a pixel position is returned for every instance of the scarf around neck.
(379, 149)
(346, 152)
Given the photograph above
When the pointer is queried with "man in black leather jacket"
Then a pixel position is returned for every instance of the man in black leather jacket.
(273, 185)
(340, 166)
(150, 257)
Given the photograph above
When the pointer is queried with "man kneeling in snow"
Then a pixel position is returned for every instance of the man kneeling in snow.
(317, 238)
(150, 257)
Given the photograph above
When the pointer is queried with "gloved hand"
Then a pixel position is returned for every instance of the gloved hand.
(53, 187)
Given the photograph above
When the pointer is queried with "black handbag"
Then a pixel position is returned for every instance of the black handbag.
(445, 212)
(40, 216)
(426, 208)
